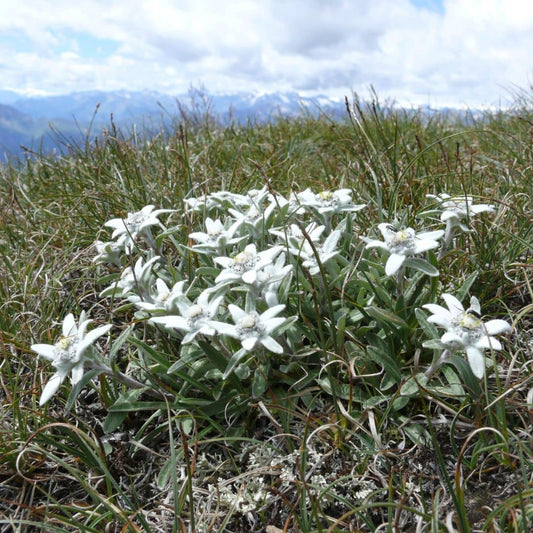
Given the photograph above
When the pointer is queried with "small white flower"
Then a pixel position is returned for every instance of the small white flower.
(402, 243)
(458, 208)
(136, 224)
(195, 318)
(245, 265)
(466, 330)
(164, 299)
(134, 282)
(253, 328)
(216, 237)
(69, 353)
(109, 252)
(328, 202)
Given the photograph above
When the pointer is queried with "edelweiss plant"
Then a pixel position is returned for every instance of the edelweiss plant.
(70, 353)
(454, 211)
(466, 331)
(404, 243)
(136, 225)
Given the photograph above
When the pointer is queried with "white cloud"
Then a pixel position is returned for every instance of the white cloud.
(471, 51)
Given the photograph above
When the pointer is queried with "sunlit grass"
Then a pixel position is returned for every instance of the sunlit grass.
(342, 448)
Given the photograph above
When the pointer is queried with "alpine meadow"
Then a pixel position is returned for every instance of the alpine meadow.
(306, 324)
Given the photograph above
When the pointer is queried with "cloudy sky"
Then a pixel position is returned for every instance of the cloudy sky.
(441, 52)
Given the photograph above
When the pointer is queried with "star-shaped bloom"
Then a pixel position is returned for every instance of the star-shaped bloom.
(216, 237)
(465, 330)
(69, 354)
(109, 252)
(127, 230)
(252, 328)
(245, 265)
(402, 243)
(455, 209)
(195, 318)
(328, 202)
(163, 299)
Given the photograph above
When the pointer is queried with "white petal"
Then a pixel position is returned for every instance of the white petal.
(173, 321)
(454, 305)
(249, 343)
(50, 388)
(425, 245)
(273, 311)
(270, 344)
(250, 277)
(394, 263)
(430, 235)
(45, 350)
(490, 343)
(225, 329)
(476, 360)
(236, 313)
(77, 373)
(451, 338)
(494, 327)
(69, 326)
(92, 336)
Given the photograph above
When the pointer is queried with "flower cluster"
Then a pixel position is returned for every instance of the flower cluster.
(234, 293)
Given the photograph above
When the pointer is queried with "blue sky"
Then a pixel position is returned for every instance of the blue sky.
(437, 52)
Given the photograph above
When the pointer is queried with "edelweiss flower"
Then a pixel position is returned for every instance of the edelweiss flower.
(328, 202)
(457, 208)
(253, 328)
(245, 265)
(164, 298)
(453, 211)
(216, 236)
(195, 318)
(70, 352)
(109, 252)
(466, 330)
(134, 282)
(403, 243)
(126, 230)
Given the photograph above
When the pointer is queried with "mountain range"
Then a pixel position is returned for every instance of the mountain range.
(33, 124)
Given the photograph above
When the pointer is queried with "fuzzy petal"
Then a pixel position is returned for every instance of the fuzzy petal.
(69, 326)
(270, 344)
(76, 373)
(47, 351)
(476, 359)
(50, 388)
(494, 327)
(454, 305)
(249, 343)
(394, 263)
(490, 343)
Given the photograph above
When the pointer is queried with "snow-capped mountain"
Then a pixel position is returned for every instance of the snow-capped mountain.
(26, 120)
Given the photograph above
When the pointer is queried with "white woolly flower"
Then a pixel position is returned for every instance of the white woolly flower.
(109, 252)
(69, 354)
(252, 328)
(458, 208)
(134, 282)
(216, 236)
(127, 230)
(195, 317)
(163, 298)
(328, 202)
(402, 243)
(245, 265)
(465, 330)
